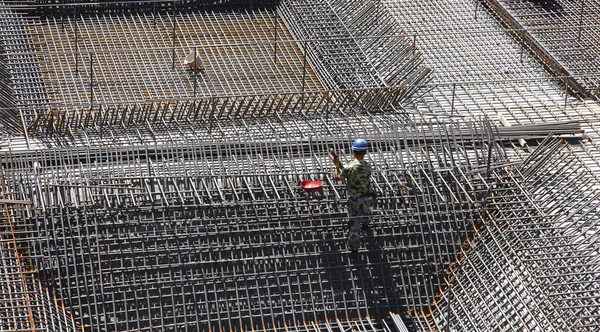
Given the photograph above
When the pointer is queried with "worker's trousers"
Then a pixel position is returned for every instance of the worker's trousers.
(359, 212)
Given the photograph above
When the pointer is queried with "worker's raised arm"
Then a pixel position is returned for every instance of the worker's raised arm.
(338, 164)
(336, 159)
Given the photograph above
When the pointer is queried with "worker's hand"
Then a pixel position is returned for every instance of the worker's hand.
(405, 188)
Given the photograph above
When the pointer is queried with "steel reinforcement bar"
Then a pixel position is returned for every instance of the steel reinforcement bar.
(219, 235)
(536, 49)
(535, 263)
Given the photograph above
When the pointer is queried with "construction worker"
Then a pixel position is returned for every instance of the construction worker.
(360, 199)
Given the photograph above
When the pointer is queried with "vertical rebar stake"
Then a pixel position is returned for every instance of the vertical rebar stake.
(453, 93)
(448, 312)
(174, 13)
(476, 8)
(489, 159)
(154, 12)
(414, 43)
(303, 74)
(304, 67)
(522, 49)
(566, 93)
(195, 70)
(580, 20)
(91, 80)
(275, 33)
(76, 41)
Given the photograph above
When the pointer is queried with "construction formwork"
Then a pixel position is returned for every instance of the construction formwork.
(535, 264)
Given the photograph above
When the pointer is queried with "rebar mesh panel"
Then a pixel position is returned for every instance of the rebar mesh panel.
(151, 237)
(47, 8)
(22, 88)
(540, 252)
(24, 304)
(140, 57)
(479, 69)
(567, 29)
(356, 44)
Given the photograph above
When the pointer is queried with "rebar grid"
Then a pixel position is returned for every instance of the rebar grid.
(575, 44)
(152, 227)
(480, 70)
(257, 70)
(24, 304)
(142, 202)
(351, 61)
(538, 251)
(22, 87)
(239, 58)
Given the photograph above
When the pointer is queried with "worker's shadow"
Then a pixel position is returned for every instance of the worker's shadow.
(363, 284)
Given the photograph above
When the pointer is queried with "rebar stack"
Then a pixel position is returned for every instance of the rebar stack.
(535, 266)
(218, 235)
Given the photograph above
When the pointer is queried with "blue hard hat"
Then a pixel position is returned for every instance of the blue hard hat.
(359, 145)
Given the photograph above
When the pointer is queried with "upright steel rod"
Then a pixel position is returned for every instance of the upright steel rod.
(453, 94)
(195, 71)
(522, 50)
(154, 12)
(174, 13)
(91, 79)
(275, 36)
(580, 20)
(448, 311)
(76, 41)
(414, 44)
(304, 67)
(566, 94)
